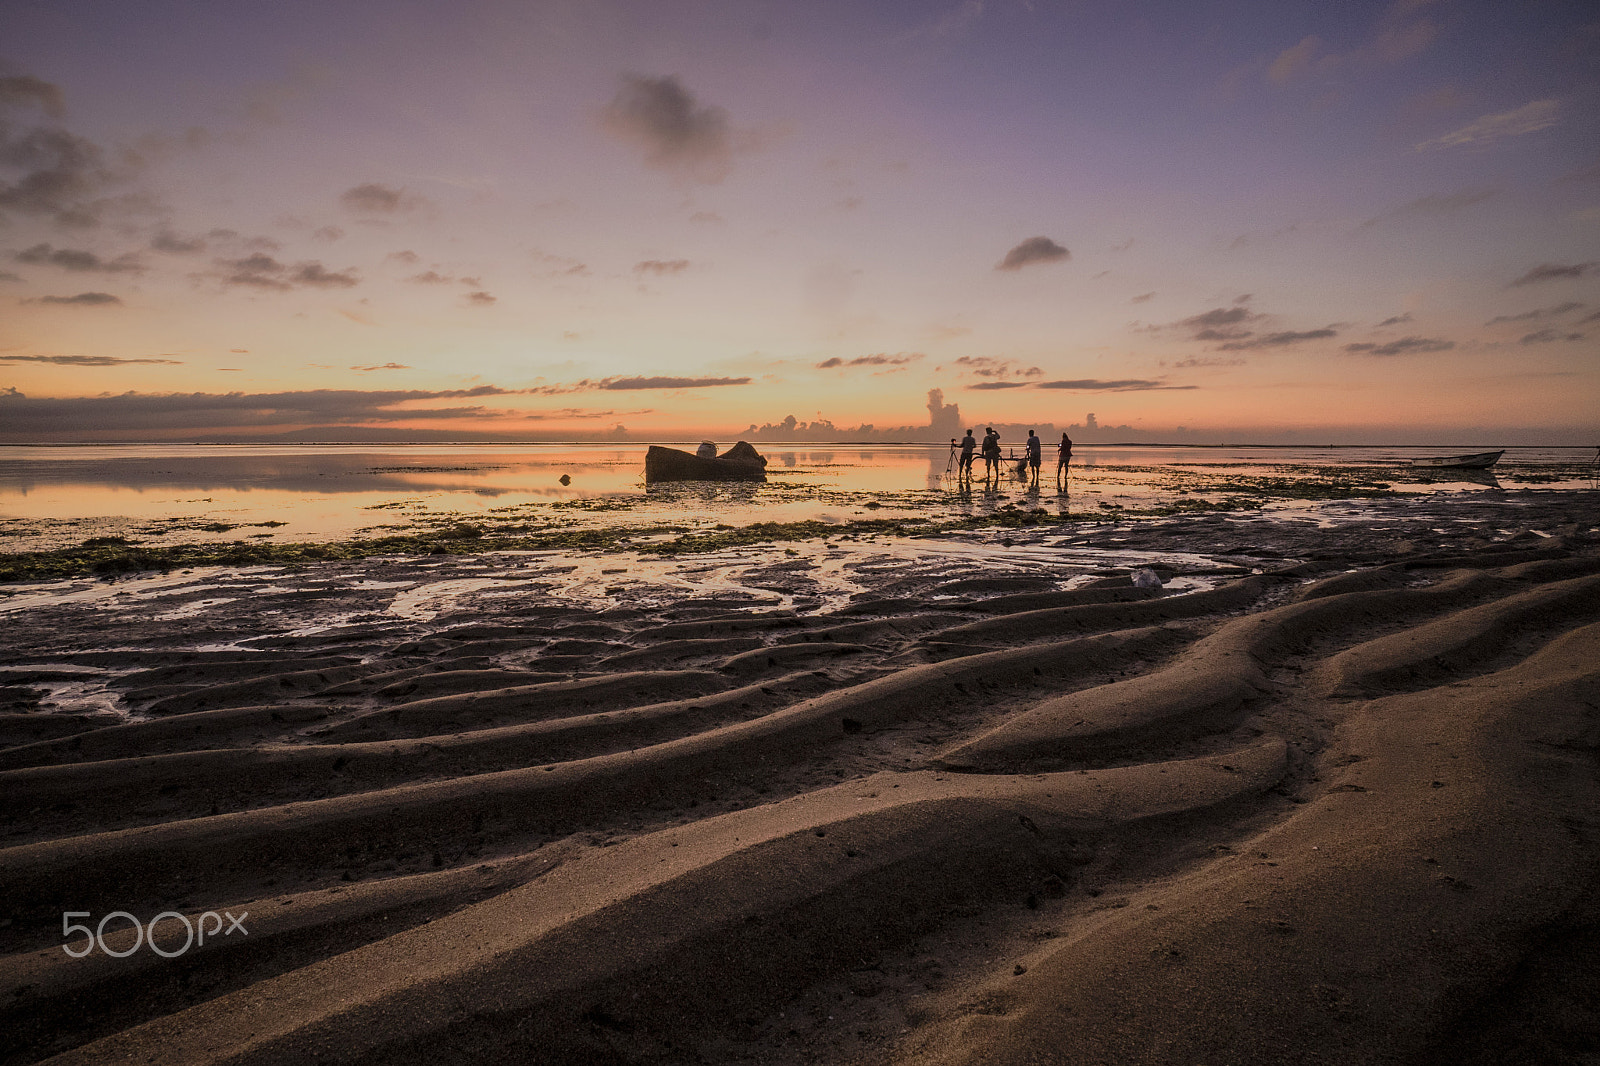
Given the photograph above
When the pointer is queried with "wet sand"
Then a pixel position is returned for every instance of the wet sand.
(1325, 795)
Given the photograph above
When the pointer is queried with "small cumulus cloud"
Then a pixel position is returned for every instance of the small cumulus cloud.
(661, 266)
(430, 277)
(1033, 250)
(86, 360)
(1403, 346)
(317, 276)
(78, 260)
(374, 198)
(167, 241)
(1556, 272)
(83, 299)
(481, 299)
(676, 132)
(1529, 118)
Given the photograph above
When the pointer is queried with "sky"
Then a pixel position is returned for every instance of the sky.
(1268, 222)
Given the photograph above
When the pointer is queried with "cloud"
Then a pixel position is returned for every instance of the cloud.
(1278, 340)
(1293, 63)
(1127, 385)
(408, 257)
(1555, 272)
(985, 366)
(629, 384)
(78, 260)
(60, 171)
(661, 266)
(168, 241)
(984, 386)
(481, 299)
(1539, 312)
(382, 366)
(1529, 118)
(262, 271)
(1395, 320)
(178, 412)
(1033, 250)
(316, 275)
(677, 133)
(327, 233)
(1545, 336)
(25, 88)
(374, 198)
(431, 277)
(85, 360)
(6, 275)
(1403, 346)
(1197, 362)
(1144, 297)
(878, 359)
(1434, 205)
(83, 299)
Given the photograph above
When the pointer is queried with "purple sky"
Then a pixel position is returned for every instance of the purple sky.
(1268, 221)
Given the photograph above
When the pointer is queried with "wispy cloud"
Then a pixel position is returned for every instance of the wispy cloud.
(640, 383)
(382, 366)
(1547, 335)
(481, 299)
(1033, 250)
(661, 266)
(83, 299)
(676, 132)
(1125, 385)
(876, 359)
(86, 360)
(1539, 312)
(262, 271)
(1278, 340)
(1395, 320)
(1529, 118)
(1403, 346)
(1556, 272)
(1434, 205)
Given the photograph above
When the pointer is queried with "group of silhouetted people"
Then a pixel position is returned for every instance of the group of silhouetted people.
(1027, 465)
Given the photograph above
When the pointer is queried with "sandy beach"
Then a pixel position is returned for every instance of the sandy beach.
(1326, 793)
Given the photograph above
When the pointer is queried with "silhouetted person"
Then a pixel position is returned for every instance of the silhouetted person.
(968, 446)
(991, 454)
(1063, 461)
(1035, 458)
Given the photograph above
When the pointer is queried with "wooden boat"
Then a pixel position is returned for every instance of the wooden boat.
(1475, 461)
(739, 463)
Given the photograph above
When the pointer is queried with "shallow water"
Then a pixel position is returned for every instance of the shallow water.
(57, 496)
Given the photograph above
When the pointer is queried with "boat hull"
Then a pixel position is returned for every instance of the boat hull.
(670, 464)
(1474, 461)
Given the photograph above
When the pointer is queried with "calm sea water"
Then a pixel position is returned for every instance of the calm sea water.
(59, 494)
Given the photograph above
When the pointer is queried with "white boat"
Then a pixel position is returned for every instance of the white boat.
(1474, 461)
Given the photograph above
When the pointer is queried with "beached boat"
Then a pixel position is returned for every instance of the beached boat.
(1475, 461)
(739, 463)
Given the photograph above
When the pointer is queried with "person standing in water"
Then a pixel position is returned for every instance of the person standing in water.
(1063, 462)
(991, 454)
(968, 446)
(1035, 456)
